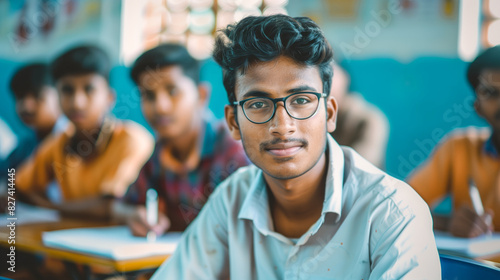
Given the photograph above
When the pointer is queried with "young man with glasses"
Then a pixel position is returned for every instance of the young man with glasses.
(469, 157)
(308, 208)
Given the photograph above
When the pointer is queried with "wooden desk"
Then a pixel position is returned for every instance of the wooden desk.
(493, 260)
(29, 239)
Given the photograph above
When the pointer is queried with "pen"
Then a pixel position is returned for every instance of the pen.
(151, 212)
(476, 201)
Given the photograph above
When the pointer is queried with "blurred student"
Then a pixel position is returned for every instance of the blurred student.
(194, 151)
(37, 105)
(308, 208)
(97, 157)
(360, 125)
(468, 156)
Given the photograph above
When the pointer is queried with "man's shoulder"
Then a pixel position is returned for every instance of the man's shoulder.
(362, 110)
(238, 184)
(131, 131)
(225, 148)
(467, 136)
(380, 189)
(223, 138)
(54, 142)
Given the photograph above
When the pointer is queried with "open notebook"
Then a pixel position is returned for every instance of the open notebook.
(110, 242)
(469, 247)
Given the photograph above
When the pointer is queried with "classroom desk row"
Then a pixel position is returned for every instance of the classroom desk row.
(29, 239)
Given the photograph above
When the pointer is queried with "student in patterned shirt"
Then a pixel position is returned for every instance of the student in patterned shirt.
(194, 151)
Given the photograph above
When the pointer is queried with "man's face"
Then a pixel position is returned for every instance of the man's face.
(171, 102)
(39, 111)
(85, 99)
(283, 147)
(487, 102)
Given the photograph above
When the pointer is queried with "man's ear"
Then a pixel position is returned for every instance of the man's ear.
(232, 123)
(331, 113)
(111, 98)
(204, 90)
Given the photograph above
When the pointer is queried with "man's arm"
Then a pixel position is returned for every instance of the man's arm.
(95, 208)
(432, 182)
(203, 250)
(405, 248)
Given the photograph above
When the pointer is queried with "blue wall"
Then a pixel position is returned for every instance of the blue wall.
(422, 99)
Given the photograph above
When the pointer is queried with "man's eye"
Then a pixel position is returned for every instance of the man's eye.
(257, 105)
(148, 95)
(173, 91)
(301, 101)
(67, 90)
(493, 93)
(489, 92)
(89, 89)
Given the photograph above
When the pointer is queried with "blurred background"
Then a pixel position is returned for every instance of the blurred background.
(406, 57)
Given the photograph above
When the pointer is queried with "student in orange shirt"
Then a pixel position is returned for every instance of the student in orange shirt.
(97, 158)
(469, 156)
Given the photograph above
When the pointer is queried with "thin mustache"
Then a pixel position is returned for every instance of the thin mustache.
(264, 145)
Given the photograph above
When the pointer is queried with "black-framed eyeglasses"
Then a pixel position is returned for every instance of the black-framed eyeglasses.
(299, 105)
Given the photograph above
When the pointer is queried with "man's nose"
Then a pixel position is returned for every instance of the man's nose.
(282, 123)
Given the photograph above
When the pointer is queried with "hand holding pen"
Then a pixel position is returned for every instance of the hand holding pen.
(147, 221)
(471, 222)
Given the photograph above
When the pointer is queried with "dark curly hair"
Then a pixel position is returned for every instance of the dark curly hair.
(488, 59)
(266, 38)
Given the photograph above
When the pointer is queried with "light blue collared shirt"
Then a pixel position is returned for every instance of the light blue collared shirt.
(372, 226)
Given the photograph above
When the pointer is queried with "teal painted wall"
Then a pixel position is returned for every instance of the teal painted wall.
(422, 99)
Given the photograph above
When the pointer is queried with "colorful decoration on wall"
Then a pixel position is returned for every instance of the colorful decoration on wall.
(194, 22)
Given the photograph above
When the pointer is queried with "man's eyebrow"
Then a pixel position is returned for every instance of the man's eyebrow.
(255, 93)
(302, 88)
(258, 93)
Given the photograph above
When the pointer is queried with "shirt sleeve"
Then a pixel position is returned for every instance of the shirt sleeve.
(431, 180)
(38, 171)
(137, 147)
(406, 248)
(202, 252)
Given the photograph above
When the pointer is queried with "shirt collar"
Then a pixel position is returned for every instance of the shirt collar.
(255, 207)
(489, 148)
(334, 179)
